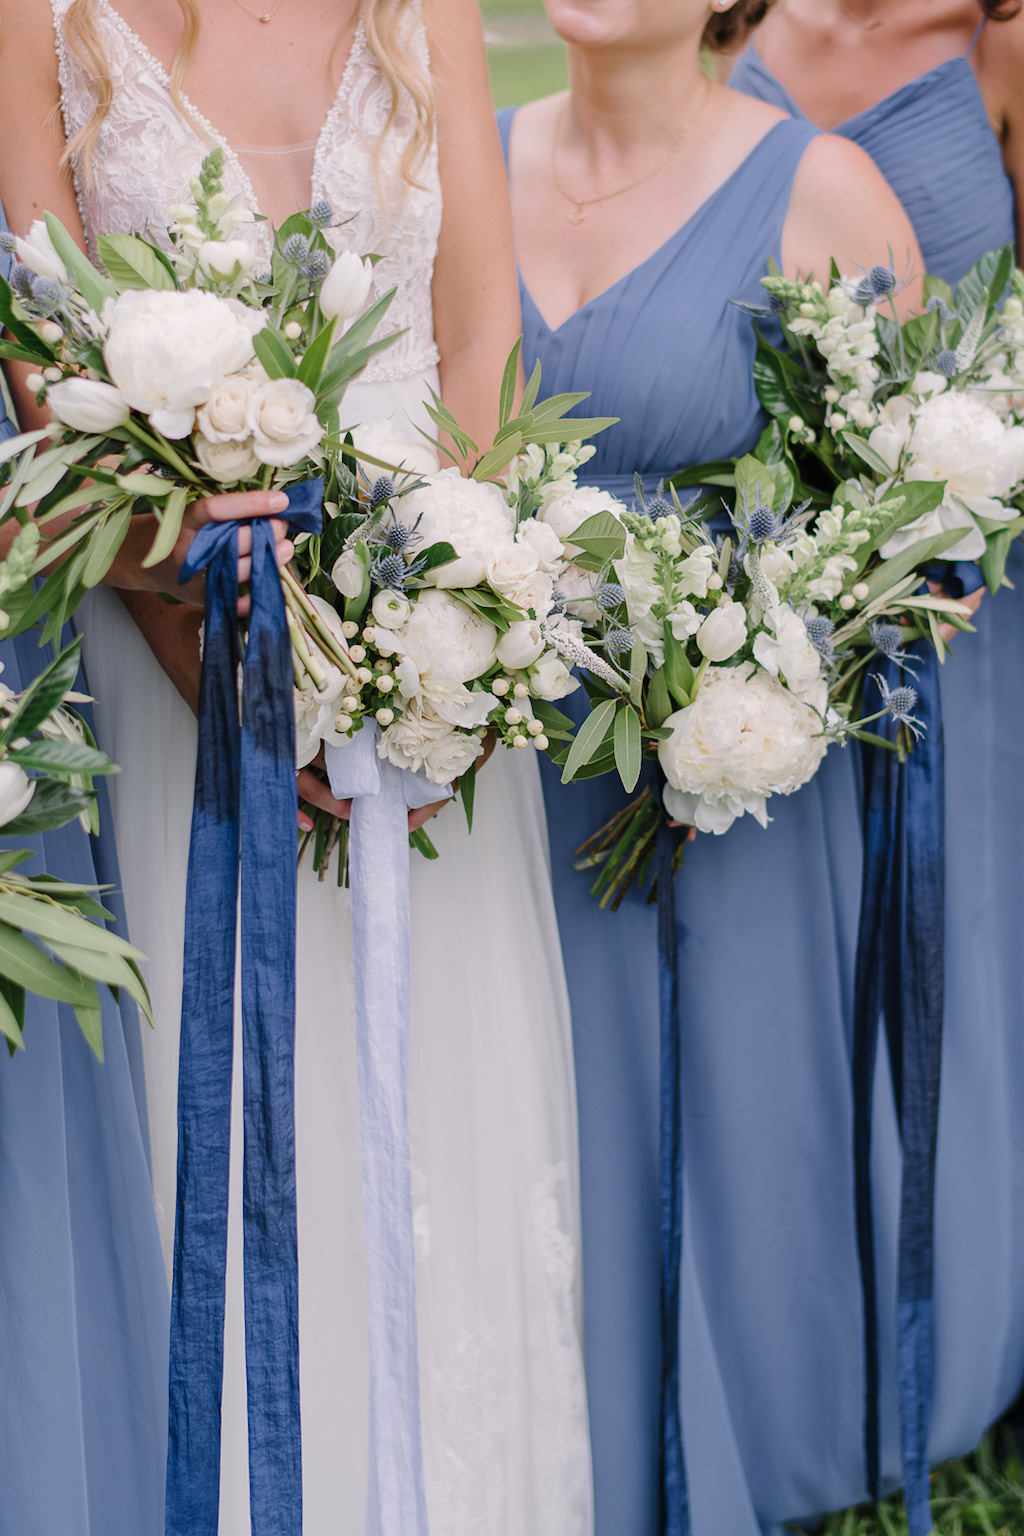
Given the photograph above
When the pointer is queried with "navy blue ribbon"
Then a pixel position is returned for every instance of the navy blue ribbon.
(243, 834)
(675, 1505)
(899, 976)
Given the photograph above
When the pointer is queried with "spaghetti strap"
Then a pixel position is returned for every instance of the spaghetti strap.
(974, 39)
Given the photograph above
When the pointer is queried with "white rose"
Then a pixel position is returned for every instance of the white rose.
(551, 679)
(16, 790)
(511, 572)
(471, 516)
(167, 351)
(386, 441)
(446, 642)
(390, 609)
(348, 573)
(224, 417)
(346, 288)
(227, 258)
(545, 543)
(520, 645)
(285, 428)
(422, 743)
(38, 252)
(88, 405)
(723, 632)
(451, 756)
(564, 507)
(228, 461)
(788, 652)
(743, 738)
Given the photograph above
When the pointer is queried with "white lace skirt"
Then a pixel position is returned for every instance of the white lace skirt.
(493, 1130)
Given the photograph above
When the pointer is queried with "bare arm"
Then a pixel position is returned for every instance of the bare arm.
(1000, 65)
(476, 300)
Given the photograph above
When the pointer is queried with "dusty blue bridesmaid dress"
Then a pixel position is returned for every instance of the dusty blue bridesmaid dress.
(933, 141)
(771, 1362)
(83, 1290)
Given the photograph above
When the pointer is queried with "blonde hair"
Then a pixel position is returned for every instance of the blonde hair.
(384, 22)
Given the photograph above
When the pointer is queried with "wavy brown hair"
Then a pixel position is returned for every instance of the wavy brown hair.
(727, 29)
(384, 21)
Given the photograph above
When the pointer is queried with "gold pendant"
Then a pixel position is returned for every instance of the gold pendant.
(265, 17)
(577, 213)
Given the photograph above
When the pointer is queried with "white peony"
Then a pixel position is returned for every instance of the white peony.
(346, 288)
(958, 438)
(551, 679)
(284, 424)
(167, 351)
(468, 514)
(87, 405)
(445, 641)
(420, 742)
(520, 645)
(16, 790)
(564, 507)
(743, 739)
(787, 652)
(38, 252)
(229, 461)
(224, 417)
(723, 632)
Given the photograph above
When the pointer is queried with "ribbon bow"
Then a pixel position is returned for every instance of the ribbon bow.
(243, 832)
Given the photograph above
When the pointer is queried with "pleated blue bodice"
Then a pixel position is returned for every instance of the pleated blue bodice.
(667, 338)
(933, 142)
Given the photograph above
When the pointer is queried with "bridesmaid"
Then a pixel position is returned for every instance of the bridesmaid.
(646, 201)
(83, 1294)
(932, 90)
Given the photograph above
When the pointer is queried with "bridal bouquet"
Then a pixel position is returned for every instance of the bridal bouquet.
(53, 938)
(180, 370)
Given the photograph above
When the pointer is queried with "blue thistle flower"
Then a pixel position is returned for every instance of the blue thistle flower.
(946, 363)
(46, 295)
(762, 524)
(777, 305)
(864, 293)
(658, 508)
(296, 250)
(21, 280)
(398, 537)
(882, 280)
(619, 641)
(317, 267)
(8, 244)
(889, 638)
(383, 490)
(610, 595)
(900, 703)
(936, 303)
(389, 570)
(321, 213)
(820, 630)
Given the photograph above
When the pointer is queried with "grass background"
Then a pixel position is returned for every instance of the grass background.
(984, 1495)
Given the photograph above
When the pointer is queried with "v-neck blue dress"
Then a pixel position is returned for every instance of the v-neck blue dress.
(83, 1290)
(934, 143)
(771, 1357)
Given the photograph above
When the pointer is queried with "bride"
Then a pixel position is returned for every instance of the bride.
(381, 109)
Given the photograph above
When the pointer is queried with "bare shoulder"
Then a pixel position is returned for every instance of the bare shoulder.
(1000, 65)
(532, 133)
(28, 56)
(842, 207)
(454, 28)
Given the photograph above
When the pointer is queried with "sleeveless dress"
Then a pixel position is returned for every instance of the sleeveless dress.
(771, 1367)
(491, 1089)
(934, 142)
(83, 1293)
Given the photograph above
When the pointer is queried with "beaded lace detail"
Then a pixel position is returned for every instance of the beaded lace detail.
(148, 150)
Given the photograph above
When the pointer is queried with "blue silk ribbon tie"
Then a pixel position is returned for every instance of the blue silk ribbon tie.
(382, 795)
(900, 977)
(675, 1512)
(243, 838)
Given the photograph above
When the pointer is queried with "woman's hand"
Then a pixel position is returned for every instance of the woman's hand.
(972, 602)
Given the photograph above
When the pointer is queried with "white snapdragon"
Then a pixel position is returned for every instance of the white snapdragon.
(785, 651)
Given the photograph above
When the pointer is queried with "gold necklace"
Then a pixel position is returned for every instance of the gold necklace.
(578, 205)
(264, 16)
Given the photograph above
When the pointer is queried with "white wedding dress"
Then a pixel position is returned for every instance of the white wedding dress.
(492, 1096)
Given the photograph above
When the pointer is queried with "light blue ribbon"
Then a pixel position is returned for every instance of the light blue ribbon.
(382, 796)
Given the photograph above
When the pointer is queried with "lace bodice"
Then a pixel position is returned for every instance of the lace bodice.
(148, 150)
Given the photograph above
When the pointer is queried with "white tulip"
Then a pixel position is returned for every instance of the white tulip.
(349, 573)
(520, 645)
(16, 790)
(723, 632)
(37, 251)
(346, 288)
(88, 405)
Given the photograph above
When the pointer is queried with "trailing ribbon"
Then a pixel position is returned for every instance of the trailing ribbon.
(675, 1510)
(381, 796)
(899, 974)
(243, 831)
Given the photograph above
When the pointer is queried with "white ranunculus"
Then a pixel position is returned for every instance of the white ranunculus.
(520, 645)
(551, 679)
(723, 632)
(446, 642)
(386, 441)
(38, 252)
(346, 288)
(16, 790)
(228, 461)
(88, 405)
(225, 415)
(743, 739)
(787, 651)
(284, 424)
(167, 351)
(348, 573)
(227, 258)
(468, 514)
(422, 743)
(390, 609)
(564, 507)
(545, 543)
